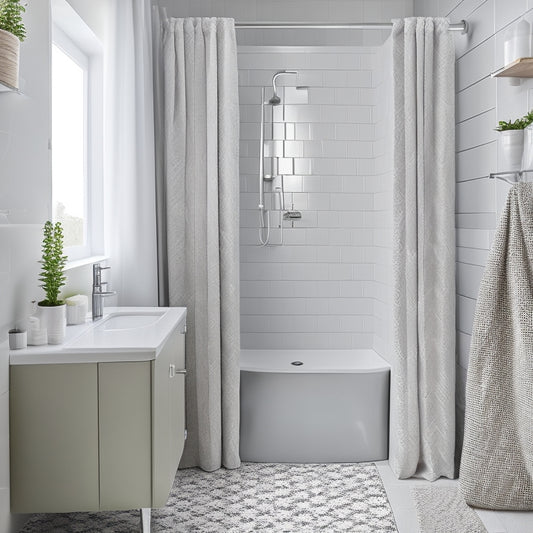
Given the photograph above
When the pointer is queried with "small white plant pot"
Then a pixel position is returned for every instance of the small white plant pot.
(54, 320)
(17, 339)
(512, 147)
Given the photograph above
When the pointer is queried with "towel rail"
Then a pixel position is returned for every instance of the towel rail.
(510, 176)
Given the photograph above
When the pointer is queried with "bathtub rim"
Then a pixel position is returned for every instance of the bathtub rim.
(373, 362)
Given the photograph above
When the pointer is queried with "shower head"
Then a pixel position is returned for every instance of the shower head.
(276, 100)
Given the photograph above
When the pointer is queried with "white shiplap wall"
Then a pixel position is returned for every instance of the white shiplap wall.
(481, 102)
(317, 290)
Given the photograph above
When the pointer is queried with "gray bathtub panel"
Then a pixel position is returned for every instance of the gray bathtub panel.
(314, 418)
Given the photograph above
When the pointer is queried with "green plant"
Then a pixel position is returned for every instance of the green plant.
(518, 124)
(11, 18)
(53, 263)
(528, 118)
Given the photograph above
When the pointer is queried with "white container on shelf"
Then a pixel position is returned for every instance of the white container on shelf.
(517, 42)
(512, 147)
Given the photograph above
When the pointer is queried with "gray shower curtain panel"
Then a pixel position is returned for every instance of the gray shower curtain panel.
(200, 117)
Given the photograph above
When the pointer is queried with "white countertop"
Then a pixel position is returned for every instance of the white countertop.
(106, 341)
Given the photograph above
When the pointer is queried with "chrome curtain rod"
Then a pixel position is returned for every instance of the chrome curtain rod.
(459, 26)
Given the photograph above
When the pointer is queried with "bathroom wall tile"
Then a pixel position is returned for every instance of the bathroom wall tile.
(473, 238)
(328, 219)
(476, 162)
(347, 131)
(476, 99)
(319, 201)
(481, 22)
(465, 314)
(476, 64)
(329, 254)
(477, 196)
(346, 167)
(463, 348)
(476, 131)
(340, 272)
(468, 279)
(321, 131)
(507, 12)
(353, 184)
(472, 256)
(335, 149)
(313, 149)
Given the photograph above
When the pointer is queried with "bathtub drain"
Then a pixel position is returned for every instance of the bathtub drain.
(297, 363)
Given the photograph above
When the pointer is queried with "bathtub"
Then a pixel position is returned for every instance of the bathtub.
(314, 406)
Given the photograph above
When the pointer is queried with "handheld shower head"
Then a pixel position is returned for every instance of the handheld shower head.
(276, 100)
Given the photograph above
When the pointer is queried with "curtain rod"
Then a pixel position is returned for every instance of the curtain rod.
(459, 26)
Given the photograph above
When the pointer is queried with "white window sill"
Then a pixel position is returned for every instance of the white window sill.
(85, 261)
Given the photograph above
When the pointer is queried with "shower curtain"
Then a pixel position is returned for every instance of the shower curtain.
(199, 115)
(422, 432)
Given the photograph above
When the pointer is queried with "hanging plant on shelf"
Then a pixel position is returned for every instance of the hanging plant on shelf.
(12, 32)
(512, 140)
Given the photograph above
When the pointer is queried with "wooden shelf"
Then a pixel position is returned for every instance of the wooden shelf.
(520, 68)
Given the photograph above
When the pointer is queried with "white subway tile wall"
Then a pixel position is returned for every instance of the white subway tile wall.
(382, 189)
(318, 290)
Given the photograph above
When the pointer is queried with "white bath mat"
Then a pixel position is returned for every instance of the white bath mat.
(443, 510)
(270, 498)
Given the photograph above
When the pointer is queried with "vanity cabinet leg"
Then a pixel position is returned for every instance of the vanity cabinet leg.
(146, 514)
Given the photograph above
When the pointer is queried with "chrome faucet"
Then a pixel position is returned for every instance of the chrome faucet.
(98, 293)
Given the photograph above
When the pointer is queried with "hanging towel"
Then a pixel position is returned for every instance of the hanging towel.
(497, 461)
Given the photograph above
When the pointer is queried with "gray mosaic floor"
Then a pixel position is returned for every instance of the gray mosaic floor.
(271, 498)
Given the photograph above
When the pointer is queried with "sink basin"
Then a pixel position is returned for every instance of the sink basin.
(123, 321)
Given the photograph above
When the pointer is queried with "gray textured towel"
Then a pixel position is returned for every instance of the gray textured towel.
(497, 461)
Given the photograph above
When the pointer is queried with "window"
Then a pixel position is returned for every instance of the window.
(69, 153)
(77, 90)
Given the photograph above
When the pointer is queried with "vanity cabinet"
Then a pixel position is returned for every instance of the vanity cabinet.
(105, 435)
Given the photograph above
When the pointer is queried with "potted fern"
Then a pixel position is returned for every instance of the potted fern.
(12, 33)
(52, 310)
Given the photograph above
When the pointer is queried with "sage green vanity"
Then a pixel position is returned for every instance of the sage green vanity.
(99, 424)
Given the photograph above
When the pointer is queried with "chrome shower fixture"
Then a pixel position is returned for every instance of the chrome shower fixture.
(276, 100)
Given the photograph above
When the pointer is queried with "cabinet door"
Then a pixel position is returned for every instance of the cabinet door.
(168, 417)
(177, 408)
(125, 435)
(54, 438)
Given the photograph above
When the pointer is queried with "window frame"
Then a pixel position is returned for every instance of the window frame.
(73, 37)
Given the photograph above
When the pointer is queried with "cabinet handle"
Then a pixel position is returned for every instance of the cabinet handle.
(172, 371)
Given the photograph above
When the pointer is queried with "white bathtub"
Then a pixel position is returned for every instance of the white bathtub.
(334, 407)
